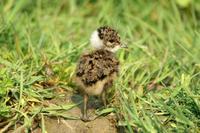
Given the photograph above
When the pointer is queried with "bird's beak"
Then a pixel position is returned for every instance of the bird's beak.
(124, 46)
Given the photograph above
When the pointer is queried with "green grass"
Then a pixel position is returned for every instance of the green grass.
(158, 89)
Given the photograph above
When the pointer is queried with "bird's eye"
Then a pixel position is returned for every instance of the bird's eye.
(111, 41)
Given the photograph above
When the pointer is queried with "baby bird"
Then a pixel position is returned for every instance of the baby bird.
(96, 71)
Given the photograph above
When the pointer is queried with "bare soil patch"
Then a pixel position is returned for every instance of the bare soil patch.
(103, 124)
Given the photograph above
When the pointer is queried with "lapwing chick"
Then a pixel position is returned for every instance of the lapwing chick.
(96, 70)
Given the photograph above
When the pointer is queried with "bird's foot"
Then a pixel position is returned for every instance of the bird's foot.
(87, 119)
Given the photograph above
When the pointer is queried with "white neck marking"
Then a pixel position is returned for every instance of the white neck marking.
(95, 41)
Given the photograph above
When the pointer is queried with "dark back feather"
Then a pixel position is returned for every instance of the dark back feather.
(96, 66)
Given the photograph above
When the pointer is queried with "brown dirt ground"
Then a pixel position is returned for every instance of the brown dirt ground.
(103, 124)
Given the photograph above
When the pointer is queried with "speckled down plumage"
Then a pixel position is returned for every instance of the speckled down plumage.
(96, 66)
(109, 36)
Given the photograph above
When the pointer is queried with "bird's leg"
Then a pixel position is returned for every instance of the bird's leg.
(85, 101)
(85, 117)
(103, 98)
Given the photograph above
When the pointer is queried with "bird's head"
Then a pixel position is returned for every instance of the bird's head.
(106, 38)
